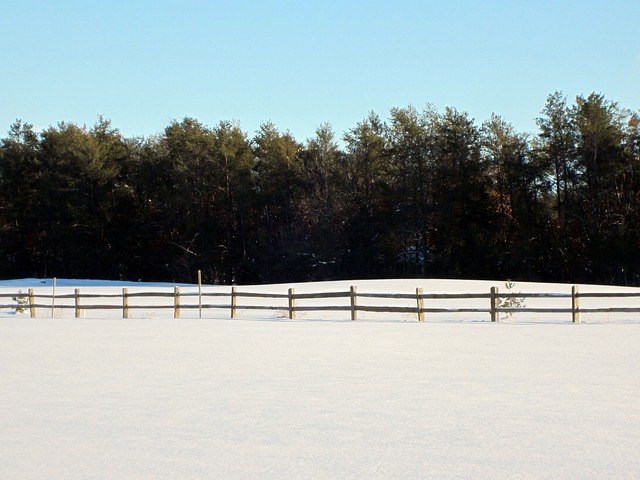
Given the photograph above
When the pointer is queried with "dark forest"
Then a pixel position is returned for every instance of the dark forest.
(420, 194)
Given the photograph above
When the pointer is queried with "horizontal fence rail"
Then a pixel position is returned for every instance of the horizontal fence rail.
(493, 303)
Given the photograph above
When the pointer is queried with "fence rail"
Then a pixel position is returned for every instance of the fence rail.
(497, 303)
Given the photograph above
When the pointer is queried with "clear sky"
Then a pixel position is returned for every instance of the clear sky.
(144, 63)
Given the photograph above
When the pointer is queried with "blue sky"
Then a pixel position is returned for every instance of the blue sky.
(145, 63)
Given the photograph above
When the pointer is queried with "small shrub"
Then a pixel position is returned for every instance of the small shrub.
(511, 301)
(21, 300)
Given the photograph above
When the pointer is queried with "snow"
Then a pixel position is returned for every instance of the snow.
(319, 397)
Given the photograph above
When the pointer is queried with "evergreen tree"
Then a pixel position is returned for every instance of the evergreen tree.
(19, 225)
(322, 201)
(412, 144)
(367, 168)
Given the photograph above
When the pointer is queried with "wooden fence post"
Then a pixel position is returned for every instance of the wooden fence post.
(354, 303)
(420, 301)
(53, 298)
(494, 304)
(575, 305)
(125, 303)
(77, 301)
(233, 302)
(32, 302)
(199, 294)
(292, 305)
(176, 302)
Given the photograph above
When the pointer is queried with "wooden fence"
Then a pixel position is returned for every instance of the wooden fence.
(496, 303)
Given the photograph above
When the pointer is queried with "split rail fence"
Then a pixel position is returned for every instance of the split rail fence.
(497, 303)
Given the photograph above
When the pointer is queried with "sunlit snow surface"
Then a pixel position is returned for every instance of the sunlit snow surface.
(271, 398)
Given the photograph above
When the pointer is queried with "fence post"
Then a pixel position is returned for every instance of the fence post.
(575, 305)
(125, 303)
(32, 302)
(420, 302)
(354, 302)
(494, 304)
(233, 302)
(77, 301)
(292, 305)
(53, 298)
(176, 302)
(199, 294)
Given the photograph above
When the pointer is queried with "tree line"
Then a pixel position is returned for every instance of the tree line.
(420, 194)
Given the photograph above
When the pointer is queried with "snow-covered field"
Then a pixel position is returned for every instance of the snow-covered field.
(265, 397)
